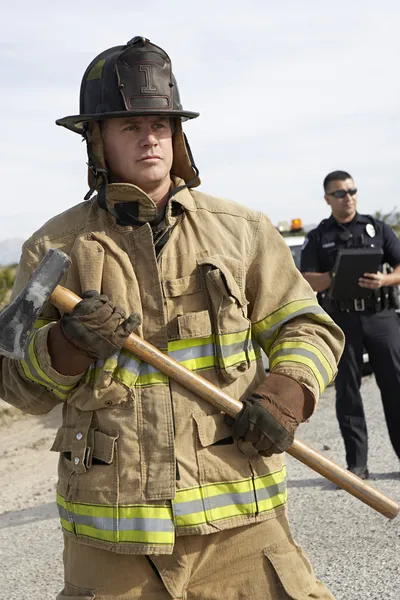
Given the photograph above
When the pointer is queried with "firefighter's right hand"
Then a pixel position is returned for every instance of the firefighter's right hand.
(266, 424)
(97, 328)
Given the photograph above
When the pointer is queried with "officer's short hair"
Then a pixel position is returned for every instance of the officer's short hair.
(336, 176)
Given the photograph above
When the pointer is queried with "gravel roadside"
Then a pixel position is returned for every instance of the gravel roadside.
(354, 550)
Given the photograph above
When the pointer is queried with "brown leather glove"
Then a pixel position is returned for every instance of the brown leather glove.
(94, 326)
(270, 416)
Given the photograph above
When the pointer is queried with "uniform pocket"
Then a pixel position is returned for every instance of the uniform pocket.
(292, 568)
(194, 325)
(223, 280)
(217, 454)
(91, 467)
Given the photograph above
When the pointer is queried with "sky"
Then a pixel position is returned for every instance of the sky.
(287, 91)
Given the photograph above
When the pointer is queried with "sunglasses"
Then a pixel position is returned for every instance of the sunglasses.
(342, 193)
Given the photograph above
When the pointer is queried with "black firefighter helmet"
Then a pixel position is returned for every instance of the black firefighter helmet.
(131, 80)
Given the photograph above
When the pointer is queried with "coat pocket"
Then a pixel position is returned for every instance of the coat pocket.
(91, 465)
(223, 281)
(218, 456)
(292, 568)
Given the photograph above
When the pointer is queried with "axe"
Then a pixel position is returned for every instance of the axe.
(17, 321)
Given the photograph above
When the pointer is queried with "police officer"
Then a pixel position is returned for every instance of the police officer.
(372, 324)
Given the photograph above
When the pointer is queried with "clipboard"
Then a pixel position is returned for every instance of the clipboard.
(350, 265)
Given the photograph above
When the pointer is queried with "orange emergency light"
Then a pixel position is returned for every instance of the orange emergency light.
(296, 225)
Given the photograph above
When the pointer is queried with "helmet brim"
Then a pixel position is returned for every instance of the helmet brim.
(76, 123)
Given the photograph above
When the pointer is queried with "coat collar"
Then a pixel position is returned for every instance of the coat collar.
(147, 209)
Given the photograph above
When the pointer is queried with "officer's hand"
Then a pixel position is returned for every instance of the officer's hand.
(96, 328)
(373, 281)
(265, 423)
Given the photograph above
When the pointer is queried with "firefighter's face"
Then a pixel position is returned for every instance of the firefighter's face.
(138, 150)
(342, 198)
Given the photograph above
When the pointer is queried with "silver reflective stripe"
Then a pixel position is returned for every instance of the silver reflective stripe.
(129, 363)
(307, 354)
(195, 506)
(229, 500)
(64, 514)
(107, 524)
(266, 493)
(313, 310)
(236, 348)
(146, 369)
(192, 353)
(187, 508)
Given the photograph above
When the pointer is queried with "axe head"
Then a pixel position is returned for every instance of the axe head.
(18, 318)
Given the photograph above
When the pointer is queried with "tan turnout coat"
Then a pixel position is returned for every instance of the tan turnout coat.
(141, 458)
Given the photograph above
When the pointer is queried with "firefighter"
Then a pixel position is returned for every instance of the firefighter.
(159, 496)
(370, 322)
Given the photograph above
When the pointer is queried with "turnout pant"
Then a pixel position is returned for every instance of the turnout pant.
(379, 333)
(254, 562)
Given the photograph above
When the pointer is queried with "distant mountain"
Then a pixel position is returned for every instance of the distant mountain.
(10, 251)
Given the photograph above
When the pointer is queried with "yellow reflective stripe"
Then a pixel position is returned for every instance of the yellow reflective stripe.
(45, 378)
(234, 359)
(226, 339)
(311, 349)
(126, 377)
(303, 353)
(281, 313)
(271, 490)
(34, 373)
(264, 481)
(198, 364)
(188, 495)
(67, 525)
(190, 343)
(267, 329)
(240, 499)
(151, 379)
(195, 354)
(270, 503)
(218, 501)
(267, 342)
(93, 532)
(304, 361)
(230, 487)
(192, 506)
(135, 524)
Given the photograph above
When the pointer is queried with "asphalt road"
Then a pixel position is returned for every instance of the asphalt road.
(354, 550)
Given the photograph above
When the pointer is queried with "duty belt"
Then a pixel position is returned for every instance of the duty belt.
(359, 305)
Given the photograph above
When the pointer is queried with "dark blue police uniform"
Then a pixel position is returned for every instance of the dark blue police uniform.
(372, 324)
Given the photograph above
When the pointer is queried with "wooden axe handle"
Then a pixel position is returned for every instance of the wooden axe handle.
(65, 300)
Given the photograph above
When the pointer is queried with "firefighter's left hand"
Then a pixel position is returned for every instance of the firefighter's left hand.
(373, 281)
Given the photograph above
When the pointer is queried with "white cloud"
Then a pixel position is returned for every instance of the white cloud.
(287, 92)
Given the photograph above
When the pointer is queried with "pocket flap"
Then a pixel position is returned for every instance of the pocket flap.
(212, 428)
(194, 325)
(292, 567)
(103, 443)
(232, 274)
(181, 287)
